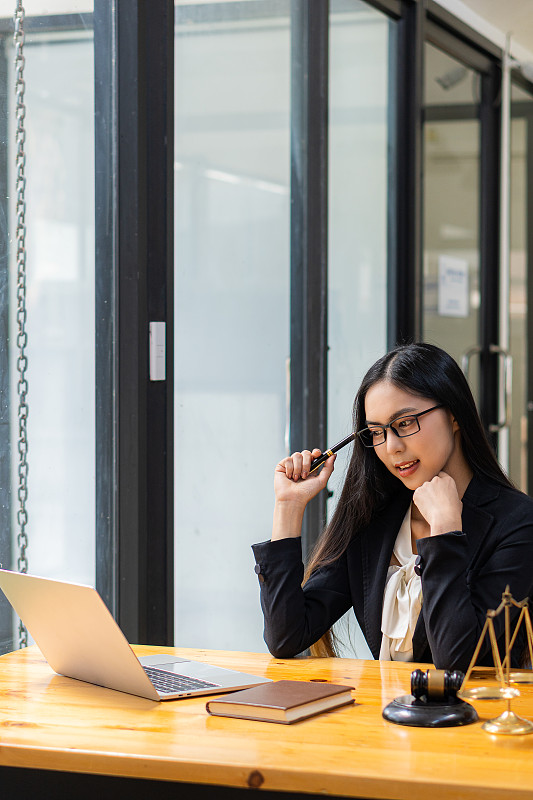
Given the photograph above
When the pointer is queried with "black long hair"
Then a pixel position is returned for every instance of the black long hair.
(426, 371)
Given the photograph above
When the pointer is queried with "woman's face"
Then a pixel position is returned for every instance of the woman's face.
(418, 458)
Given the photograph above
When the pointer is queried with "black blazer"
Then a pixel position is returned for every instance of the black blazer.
(463, 574)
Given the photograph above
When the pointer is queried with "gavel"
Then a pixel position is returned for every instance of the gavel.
(435, 684)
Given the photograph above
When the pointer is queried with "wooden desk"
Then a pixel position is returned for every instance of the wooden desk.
(60, 730)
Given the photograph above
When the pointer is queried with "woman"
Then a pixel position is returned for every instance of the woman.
(427, 533)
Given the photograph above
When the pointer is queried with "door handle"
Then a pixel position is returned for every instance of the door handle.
(466, 357)
(506, 361)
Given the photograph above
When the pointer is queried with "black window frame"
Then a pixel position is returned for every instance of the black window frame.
(134, 99)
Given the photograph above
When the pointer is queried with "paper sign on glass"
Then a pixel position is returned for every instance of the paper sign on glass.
(453, 287)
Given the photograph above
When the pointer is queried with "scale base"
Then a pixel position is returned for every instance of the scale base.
(509, 724)
(407, 710)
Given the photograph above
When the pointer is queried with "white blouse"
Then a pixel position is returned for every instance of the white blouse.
(402, 599)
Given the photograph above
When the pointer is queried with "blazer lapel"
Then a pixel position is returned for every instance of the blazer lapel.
(476, 522)
(377, 543)
(476, 519)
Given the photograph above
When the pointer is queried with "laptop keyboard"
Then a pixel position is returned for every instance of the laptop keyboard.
(169, 683)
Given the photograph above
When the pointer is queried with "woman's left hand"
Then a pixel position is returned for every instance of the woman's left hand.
(440, 504)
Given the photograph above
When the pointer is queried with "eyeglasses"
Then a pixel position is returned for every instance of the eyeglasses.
(401, 426)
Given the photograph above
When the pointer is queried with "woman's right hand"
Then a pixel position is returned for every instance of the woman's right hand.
(295, 486)
(293, 483)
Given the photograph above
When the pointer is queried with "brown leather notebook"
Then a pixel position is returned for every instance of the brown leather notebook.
(281, 701)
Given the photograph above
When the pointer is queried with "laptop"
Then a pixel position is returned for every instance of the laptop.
(79, 638)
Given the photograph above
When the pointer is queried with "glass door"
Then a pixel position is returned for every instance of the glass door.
(465, 300)
(451, 228)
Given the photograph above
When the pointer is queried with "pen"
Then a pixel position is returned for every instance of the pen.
(316, 462)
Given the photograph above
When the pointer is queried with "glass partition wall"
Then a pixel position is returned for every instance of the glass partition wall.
(58, 300)
(232, 279)
(232, 222)
(360, 147)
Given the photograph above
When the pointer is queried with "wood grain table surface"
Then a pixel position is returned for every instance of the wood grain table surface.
(50, 722)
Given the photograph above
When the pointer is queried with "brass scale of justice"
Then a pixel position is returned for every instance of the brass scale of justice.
(508, 722)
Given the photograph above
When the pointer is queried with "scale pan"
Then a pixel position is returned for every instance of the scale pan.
(488, 693)
(521, 677)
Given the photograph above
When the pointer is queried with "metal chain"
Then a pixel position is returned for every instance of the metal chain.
(22, 338)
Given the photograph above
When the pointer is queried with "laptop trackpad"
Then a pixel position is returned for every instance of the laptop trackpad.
(161, 660)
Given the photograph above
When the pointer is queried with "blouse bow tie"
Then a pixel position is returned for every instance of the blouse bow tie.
(402, 601)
